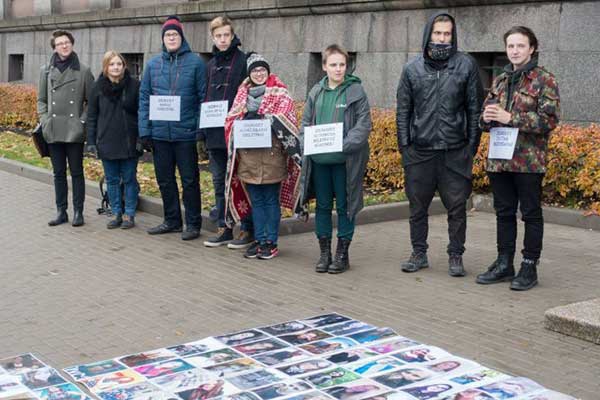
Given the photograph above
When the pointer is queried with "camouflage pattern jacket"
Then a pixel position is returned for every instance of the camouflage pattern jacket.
(535, 109)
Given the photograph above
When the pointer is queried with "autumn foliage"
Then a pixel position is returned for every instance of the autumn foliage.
(572, 179)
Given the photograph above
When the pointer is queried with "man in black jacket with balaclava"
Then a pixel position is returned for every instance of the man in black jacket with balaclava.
(439, 104)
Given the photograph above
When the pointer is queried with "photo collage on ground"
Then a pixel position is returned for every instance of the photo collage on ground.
(326, 357)
(25, 377)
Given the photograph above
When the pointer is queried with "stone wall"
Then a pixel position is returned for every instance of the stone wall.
(383, 39)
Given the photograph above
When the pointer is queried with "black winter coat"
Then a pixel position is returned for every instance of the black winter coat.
(439, 106)
(113, 117)
(224, 74)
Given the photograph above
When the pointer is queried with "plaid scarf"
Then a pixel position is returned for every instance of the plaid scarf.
(278, 106)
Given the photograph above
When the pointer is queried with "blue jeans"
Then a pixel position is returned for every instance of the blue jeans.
(218, 169)
(117, 171)
(184, 156)
(266, 212)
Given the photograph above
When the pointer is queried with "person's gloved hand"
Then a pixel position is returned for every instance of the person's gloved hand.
(147, 143)
(92, 149)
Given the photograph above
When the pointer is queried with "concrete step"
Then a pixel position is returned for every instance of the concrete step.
(581, 320)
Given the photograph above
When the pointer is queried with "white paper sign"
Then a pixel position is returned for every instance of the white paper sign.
(165, 108)
(213, 114)
(502, 143)
(326, 138)
(252, 133)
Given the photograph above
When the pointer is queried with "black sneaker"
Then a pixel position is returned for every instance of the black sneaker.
(115, 223)
(224, 236)
(243, 240)
(416, 262)
(252, 251)
(268, 251)
(128, 222)
(163, 228)
(190, 233)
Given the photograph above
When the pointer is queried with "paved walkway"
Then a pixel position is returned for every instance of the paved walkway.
(75, 295)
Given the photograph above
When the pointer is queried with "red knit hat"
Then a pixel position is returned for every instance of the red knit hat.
(173, 23)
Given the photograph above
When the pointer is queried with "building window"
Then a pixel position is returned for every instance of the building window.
(15, 67)
(490, 66)
(315, 69)
(135, 64)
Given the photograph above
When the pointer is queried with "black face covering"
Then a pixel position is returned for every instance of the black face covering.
(440, 51)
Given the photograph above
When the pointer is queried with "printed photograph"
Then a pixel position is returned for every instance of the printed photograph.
(479, 377)
(105, 382)
(329, 345)
(348, 327)
(452, 365)
(326, 319)
(21, 363)
(421, 354)
(305, 367)
(284, 356)
(547, 395)
(185, 380)
(357, 390)
(254, 379)
(136, 391)
(67, 391)
(427, 392)
(234, 367)
(305, 337)
(350, 356)
(40, 378)
(147, 357)
(261, 346)
(392, 345)
(93, 369)
(403, 377)
(332, 377)
(242, 396)
(10, 385)
(242, 337)
(469, 394)
(199, 346)
(314, 395)
(375, 366)
(511, 387)
(211, 358)
(281, 389)
(373, 335)
(208, 390)
(163, 368)
(285, 328)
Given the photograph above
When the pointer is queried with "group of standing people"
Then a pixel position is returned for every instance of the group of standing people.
(440, 116)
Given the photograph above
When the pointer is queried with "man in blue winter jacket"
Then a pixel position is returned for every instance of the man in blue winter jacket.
(171, 91)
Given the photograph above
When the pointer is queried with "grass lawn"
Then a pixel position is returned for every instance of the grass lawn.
(20, 148)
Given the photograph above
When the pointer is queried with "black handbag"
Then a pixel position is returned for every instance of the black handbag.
(39, 142)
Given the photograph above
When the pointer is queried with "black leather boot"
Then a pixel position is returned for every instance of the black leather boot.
(61, 218)
(527, 276)
(325, 257)
(501, 270)
(456, 267)
(341, 262)
(77, 218)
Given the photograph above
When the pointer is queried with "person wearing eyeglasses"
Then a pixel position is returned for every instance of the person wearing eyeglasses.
(63, 90)
(171, 91)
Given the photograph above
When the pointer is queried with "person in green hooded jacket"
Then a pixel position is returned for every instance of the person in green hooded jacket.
(338, 98)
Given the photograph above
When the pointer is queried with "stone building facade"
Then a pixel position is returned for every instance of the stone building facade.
(381, 36)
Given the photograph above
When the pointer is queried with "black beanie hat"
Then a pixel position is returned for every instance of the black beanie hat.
(256, 60)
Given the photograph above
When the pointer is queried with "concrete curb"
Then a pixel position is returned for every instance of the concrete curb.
(553, 215)
(581, 320)
(288, 226)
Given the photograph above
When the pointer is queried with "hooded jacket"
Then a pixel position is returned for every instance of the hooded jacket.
(224, 74)
(357, 128)
(181, 73)
(113, 117)
(439, 104)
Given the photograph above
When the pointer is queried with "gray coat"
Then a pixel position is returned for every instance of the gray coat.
(62, 102)
(357, 127)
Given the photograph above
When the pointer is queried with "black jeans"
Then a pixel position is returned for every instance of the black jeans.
(60, 153)
(184, 156)
(422, 181)
(218, 169)
(523, 190)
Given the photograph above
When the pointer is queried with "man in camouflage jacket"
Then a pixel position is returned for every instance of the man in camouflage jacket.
(525, 96)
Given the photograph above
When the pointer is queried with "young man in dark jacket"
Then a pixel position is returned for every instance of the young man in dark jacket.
(178, 76)
(225, 72)
(439, 104)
